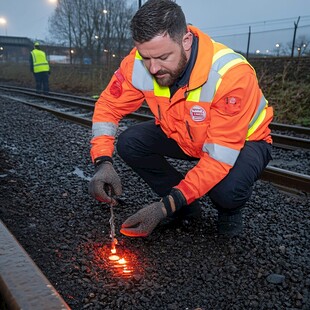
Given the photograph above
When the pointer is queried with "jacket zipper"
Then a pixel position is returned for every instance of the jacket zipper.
(189, 131)
(159, 113)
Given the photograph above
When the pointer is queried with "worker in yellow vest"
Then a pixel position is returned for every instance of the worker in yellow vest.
(40, 68)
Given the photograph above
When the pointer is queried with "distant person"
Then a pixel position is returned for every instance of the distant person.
(208, 108)
(40, 68)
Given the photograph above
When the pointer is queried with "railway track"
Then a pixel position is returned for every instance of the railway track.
(44, 295)
(284, 140)
(80, 111)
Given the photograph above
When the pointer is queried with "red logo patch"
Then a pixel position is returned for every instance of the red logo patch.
(198, 114)
(116, 89)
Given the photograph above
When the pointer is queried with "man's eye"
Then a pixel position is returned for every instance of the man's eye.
(163, 57)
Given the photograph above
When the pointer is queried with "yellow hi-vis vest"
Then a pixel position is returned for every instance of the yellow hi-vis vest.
(40, 63)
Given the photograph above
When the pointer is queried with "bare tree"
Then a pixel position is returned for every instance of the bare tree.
(94, 29)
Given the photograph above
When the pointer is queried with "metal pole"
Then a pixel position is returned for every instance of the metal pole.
(248, 47)
(140, 3)
(70, 40)
(295, 30)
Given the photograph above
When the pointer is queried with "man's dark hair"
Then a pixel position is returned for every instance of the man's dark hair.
(158, 17)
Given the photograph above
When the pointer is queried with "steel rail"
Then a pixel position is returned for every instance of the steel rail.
(293, 128)
(31, 91)
(63, 115)
(287, 180)
(288, 142)
(22, 283)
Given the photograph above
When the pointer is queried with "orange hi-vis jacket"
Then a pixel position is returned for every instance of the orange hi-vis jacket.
(211, 118)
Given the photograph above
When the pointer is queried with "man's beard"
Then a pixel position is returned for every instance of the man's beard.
(172, 75)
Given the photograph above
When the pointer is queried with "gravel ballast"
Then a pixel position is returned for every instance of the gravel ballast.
(44, 174)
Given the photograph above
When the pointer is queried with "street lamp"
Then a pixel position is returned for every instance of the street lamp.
(3, 23)
(278, 49)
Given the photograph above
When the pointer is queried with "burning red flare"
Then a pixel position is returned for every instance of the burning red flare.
(121, 264)
(119, 261)
(113, 257)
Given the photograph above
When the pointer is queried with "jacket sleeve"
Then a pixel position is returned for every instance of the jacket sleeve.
(231, 111)
(117, 100)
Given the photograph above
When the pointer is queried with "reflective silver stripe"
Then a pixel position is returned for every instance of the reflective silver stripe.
(104, 129)
(141, 78)
(221, 153)
(262, 104)
(225, 59)
(40, 64)
(209, 88)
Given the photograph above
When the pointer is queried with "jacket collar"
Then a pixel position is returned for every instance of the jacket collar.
(200, 71)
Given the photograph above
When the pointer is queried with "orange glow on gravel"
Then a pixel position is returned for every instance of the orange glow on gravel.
(98, 260)
(119, 261)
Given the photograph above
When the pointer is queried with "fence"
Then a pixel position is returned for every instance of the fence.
(270, 38)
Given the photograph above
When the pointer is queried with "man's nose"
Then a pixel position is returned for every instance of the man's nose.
(154, 66)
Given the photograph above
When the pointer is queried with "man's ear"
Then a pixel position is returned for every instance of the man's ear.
(187, 41)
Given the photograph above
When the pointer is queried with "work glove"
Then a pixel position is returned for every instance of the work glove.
(142, 223)
(105, 183)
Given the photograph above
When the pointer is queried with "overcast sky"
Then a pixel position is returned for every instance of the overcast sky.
(29, 18)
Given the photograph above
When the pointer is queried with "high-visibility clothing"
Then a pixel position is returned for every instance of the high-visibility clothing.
(210, 118)
(40, 63)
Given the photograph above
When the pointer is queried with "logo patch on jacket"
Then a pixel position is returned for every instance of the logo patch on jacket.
(198, 114)
(229, 105)
(116, 89)
(231, 100)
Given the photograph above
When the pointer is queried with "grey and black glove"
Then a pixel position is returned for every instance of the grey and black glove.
(142, 223)
(105, 182)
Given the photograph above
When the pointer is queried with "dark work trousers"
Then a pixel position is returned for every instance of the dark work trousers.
(42, 82)
(144, 147)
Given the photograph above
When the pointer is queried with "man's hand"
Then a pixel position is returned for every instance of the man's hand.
(142, 223)
(145, 220)
(105, 182)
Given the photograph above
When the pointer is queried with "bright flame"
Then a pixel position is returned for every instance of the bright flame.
(114, 257)
(127, 271)
(119, 262)
(122, 261)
